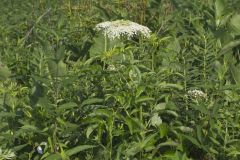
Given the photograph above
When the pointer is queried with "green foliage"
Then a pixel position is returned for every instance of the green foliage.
(79, 95)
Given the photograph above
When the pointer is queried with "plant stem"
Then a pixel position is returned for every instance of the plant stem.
(204, 64)
(141, 114)
(105, 48)
(185, 85)
(152, 60)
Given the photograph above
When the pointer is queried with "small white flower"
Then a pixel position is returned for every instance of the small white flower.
(118, 28)
(39, 150)
(197, 94)
(111, 67)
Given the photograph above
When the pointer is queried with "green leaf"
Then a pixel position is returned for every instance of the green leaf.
(215, 141)
(148, 142)
(134, 125)
(55, 156)
(228, 47)
(59, 55)
(173, 113)
(199, 133)
(90, 129)
(235, 24)
(28, 127)
(219, 10)
(192, 140)
(101, 112)
(235, 73)
(174, 46)
(66, 106)
(220, 69)
(19, 147)
(57, 69)
(102, 44)
(140, 90)
(63, 154)
(144, 99)
(133, 149)
(91, 101)
(170, 85)
(98, 46)
(4, 72)
(203, 109)
(163, 129)
(159, 107)
(78, 149)
(168, 143)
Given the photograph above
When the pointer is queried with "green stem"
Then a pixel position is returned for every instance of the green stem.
(205, 64)
(141, 114)
(153, 60)
(185, 85)
(105, 48)
(56, 96)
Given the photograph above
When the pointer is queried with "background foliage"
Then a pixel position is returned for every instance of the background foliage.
(57, 90)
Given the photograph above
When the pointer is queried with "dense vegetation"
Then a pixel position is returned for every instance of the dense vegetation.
(68, 92)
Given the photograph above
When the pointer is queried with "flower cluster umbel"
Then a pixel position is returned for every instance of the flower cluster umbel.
(197, 94)
(119, 28)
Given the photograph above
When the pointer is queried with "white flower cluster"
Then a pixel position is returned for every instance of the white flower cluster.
(156, 120)
(197, 94)
(118, 28)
